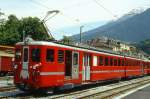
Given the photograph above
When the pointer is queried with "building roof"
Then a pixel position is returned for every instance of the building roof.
(7, 47)
(3, 53)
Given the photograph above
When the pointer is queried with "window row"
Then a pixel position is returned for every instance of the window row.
(87, 58)
(50, 55)
(108, 61)
(111, 61)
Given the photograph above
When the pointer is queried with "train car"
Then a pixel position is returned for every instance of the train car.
(48, 65)
(6, 60)
(133, 67)
(148, 71)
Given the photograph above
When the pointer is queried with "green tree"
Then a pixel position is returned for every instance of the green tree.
(11, 31)
(145, 46)
(66, 40)
(34, 27)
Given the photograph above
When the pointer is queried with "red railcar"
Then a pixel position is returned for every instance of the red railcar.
(41, 65)
(6, 60)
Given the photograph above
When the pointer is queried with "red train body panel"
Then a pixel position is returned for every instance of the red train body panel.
(6, 60)
(6, 64)
(41, 64)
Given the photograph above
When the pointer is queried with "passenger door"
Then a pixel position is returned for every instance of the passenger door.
(24, 72)
(86, 67)
(75, 65)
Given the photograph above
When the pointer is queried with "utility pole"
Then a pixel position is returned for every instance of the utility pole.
(23, 36)
(81, 27)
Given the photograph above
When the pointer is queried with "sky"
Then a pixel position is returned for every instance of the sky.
(73, 13)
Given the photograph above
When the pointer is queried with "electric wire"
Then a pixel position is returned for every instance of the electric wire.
(108, 11)
(61, 13)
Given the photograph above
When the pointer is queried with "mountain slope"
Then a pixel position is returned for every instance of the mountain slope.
(132, 29)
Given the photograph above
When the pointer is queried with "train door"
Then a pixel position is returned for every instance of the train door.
(86, 67)
(75, 65)
(68, 64)
(142, 68)
(25, 61)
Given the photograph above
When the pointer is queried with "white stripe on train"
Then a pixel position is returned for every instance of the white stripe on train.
(92, 72)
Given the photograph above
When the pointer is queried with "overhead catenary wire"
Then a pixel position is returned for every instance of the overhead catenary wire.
(61, 13)
(72, 19)
(107, 10)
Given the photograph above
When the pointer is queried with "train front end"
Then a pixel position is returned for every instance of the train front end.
(30, 68)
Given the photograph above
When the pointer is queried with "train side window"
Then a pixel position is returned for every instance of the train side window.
(50, 55)
(75, 59)
(60, 56)
(17, 54)
(122, 62)
(119, 62)
(35, 55)
(115, 62)
(111, 61)
(101, 61)
(106, 61)
(94, 60)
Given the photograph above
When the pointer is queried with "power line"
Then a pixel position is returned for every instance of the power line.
(68, 17)
(111, 13)
(40, 4)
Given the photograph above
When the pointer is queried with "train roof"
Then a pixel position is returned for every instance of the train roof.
(82, 48)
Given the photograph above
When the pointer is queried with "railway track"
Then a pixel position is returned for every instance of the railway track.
(6, 78)
(105, 92)
(101, 92)
(9, 88)
(8, 92)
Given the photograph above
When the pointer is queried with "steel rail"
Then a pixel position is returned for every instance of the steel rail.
(8, 88)
(100, 91)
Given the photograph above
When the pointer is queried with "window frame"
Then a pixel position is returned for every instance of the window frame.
(111, 61)
(48, 56)
(101, 60)
(35, 58)
(95, 60)
(106, 57)
(75, 63)
(63, 58)
(18, 53)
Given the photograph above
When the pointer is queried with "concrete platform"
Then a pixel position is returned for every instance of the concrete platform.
(140, 94)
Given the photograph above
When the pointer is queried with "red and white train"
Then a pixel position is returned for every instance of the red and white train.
(42, 65)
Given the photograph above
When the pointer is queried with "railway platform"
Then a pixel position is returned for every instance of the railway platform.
(140, 94)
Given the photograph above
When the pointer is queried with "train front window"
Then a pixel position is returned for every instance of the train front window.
(50, 55)
(17, 55)
(35, 55)
(25, 55)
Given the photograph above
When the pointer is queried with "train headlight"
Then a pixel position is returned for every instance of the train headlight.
(36, 66)
(15, 66)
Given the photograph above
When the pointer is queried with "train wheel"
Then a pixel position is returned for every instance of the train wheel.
(27, 89)
(40, 91)
(23, 87)
(2, 74)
